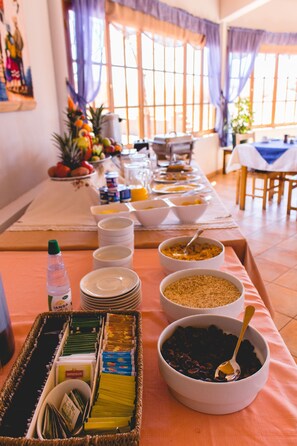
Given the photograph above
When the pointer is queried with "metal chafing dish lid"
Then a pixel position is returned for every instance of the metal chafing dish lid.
(173, 137)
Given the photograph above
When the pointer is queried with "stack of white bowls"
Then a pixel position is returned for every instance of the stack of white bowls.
(110, 288)
(116, 231)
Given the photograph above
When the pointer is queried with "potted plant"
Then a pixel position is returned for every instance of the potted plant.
(242, 117)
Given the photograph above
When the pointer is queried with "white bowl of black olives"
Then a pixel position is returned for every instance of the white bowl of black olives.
(190, 349)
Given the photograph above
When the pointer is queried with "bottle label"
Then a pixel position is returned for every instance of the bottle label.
(60, 303)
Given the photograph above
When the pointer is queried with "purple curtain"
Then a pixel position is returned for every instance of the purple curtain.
(183, 19)
(242, 48)
(89, 26)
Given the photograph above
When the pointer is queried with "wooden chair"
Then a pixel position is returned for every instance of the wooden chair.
(240, 138)
(271, 184)
(292, 184)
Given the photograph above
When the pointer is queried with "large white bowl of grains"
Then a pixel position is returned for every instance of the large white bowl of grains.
(190, 349)
(203, 253)
(201, 291)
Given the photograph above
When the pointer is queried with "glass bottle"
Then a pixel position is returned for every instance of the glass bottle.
(6, 334)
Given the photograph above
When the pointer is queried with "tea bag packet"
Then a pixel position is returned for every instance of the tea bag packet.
(70, 411)
(114, 405)
(79, 353)
(77, 368)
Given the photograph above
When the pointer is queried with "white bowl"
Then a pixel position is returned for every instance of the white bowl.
(151, 212)
(109, 210)
(116, 226)
(170, 264)
(56, 395)
(189, 209)
(175, 311)
(215, 397)
(113, 255)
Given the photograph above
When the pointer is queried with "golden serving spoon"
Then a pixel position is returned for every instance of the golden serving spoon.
(230, 370)
(196, 235)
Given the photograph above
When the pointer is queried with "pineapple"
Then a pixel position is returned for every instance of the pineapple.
(70, 154)
(96, 120)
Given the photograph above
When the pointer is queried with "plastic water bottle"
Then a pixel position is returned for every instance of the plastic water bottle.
(58, 285)
(6, 333)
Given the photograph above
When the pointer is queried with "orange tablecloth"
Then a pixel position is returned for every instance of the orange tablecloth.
(271, 420)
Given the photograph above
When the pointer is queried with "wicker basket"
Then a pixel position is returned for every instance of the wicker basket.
(16, 376)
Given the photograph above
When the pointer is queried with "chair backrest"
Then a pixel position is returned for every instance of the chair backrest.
(247, 137)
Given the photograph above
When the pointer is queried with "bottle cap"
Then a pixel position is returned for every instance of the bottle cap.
(53, 247)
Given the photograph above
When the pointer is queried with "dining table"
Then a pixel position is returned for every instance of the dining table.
(61, 211)
(270, 420)
(269, 155)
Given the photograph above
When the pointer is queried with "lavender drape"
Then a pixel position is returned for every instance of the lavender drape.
(242, 48)
(89, 26)
(183, 19)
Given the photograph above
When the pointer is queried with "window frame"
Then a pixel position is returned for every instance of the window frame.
(204, 107)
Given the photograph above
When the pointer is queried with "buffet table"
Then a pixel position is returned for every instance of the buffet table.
(62, 211)
(270, 420)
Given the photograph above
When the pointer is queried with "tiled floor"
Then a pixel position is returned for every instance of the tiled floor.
(272, 236)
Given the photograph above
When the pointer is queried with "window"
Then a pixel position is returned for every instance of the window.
(155, 85)
(272, 88)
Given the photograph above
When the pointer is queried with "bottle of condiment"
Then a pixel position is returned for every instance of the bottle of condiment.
(58, 285)
(6, 333)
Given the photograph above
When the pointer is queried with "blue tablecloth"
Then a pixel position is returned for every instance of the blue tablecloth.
(272, 149)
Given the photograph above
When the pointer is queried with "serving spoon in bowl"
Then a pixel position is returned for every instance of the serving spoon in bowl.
(230, 370)
(195, 236)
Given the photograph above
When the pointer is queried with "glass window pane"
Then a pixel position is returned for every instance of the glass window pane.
(197, 81)
(101, 98)
(190, 59)
(132, 86)
(170, 119)
(179, 59)
(159, 56)
(148, 82)
(189, 118)
(116, 46)
(190, 89)
(179, 88)
(169, 86)
(169, 58)
(160, 122)
(196, 118)
(179, 118)
(133, 115)
(159, 87)
(279, 112)
(119, 89)
(147, 51)
(131, 50)
(149, 130)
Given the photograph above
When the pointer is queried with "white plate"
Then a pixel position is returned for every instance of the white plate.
(82, 177)
(165, 178)
(176, 188)
(109, 281)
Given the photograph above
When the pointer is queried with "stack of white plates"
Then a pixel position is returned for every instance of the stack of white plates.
(110, 288)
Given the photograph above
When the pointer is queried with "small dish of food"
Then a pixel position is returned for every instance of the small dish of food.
(203, 253)
(189, 209)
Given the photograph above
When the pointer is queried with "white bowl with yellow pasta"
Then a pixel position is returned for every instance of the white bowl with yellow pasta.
(203, 253)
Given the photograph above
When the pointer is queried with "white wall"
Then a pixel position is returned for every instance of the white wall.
(26, 150)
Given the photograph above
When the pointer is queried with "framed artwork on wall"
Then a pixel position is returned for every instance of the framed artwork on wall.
(16, 87)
